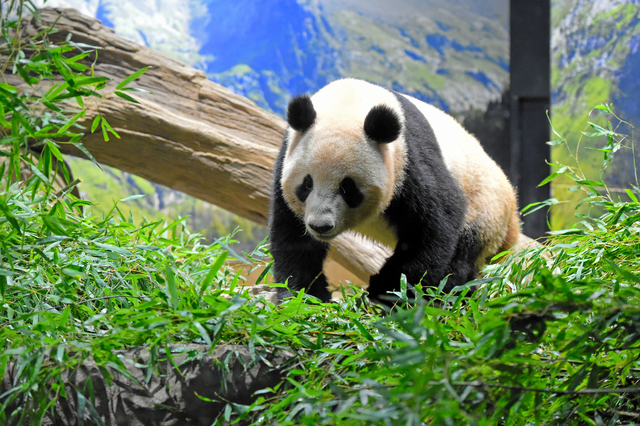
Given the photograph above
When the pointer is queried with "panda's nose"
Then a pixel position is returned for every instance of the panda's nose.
(321, 229)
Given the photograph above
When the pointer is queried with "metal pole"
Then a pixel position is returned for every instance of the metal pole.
(530, 100)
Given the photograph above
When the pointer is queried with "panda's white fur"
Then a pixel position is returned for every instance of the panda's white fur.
(347, 152)
(336, 145)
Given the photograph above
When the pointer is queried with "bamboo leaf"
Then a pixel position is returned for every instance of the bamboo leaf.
(172, 289)
(87, 153)
(126, 97)
(131, 78)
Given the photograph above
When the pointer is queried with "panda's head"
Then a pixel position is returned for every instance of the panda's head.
(345, 156)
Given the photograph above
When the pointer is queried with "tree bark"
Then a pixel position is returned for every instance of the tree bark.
(189, 134)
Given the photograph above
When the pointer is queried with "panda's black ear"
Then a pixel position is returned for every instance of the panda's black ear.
(300, 113)
(382, 124)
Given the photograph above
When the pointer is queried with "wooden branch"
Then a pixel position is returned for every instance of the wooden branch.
(190, 134)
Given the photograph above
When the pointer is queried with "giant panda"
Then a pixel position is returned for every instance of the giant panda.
(396, 170)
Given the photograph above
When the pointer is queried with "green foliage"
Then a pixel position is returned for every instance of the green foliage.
(46, 108)
(73, 286)
(550, 336)
(577, 172)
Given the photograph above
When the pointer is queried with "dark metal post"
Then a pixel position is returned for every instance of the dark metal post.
(530, 100)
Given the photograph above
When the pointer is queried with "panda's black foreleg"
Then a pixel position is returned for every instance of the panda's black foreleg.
(297, 257)
(428, 265)
(408, 259)
(423, 259)
(299, 264)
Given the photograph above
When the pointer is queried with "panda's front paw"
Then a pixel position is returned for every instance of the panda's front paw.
(379, 286)
(320, 289)
(283, 293)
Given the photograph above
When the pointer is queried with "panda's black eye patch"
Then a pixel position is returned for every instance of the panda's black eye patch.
(305, 188)
(351, 193)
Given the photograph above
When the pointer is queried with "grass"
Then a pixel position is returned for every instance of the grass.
(552, 346)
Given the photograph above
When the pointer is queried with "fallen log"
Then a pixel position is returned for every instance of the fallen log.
(188, 133)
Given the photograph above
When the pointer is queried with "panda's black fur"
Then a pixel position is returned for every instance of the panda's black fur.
(382, 124)
(426, 212)
(429, 213)
(297, 256)
(300, 113)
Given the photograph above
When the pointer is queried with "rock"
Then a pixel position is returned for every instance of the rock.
(170, 397)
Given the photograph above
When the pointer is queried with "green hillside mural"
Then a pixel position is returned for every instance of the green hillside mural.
(595, 60)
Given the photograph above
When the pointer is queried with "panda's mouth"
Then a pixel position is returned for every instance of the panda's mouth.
(325, 237)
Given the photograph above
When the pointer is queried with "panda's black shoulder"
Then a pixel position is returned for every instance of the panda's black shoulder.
(423, 153)
(429, 188)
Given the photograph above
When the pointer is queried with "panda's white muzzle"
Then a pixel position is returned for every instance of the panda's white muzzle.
(321, 214)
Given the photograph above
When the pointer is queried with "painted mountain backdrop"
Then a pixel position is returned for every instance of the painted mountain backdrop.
(268, 50)
(452, 53)
(596, 59)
